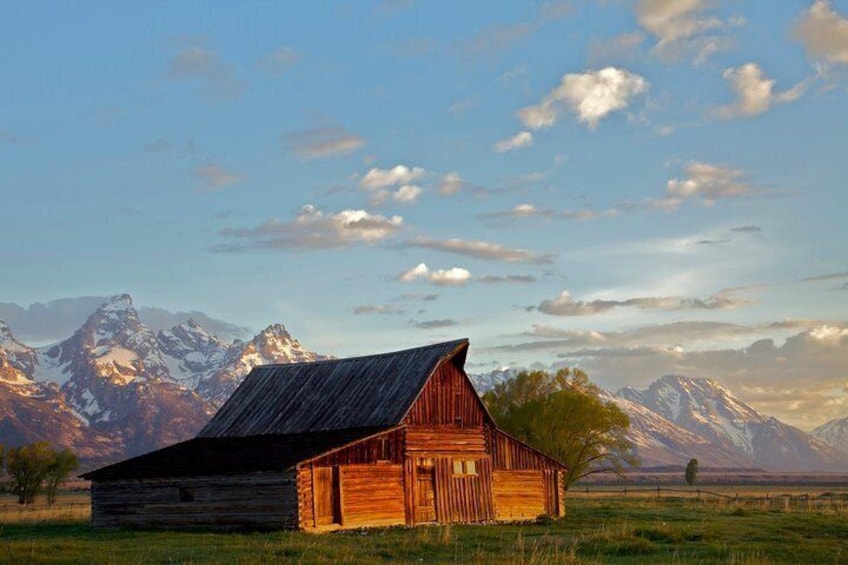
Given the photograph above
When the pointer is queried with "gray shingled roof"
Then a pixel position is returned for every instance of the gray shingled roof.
(360, 392)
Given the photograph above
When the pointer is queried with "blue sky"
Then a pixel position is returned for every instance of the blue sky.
(633, 187)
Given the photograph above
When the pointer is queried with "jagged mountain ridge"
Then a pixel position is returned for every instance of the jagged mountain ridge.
(115, 379)
(707, 409)
(834, 433)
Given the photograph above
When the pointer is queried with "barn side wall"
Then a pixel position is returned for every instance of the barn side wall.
(525, 482)
(263, 501)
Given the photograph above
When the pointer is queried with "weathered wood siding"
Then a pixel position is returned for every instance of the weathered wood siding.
(265, 501)
(519, 495)
(384, 447)
(448, 399)
(511, 456)
(372, 495)
(369, 495)
(508, 453)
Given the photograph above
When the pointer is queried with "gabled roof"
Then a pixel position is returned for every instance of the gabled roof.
(359, 392)
(204, 456)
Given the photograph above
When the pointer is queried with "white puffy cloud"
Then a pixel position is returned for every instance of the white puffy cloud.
(456, 276)
(323, 141)
(824, 33)
(681, 28)
(407, 194)
(377, 178)
(520, 139)
(591, 96)
(565, 305)
(312, 228)
(381, 183)
(450, 184)
(216, 177)
(754, 92)
(481, 250)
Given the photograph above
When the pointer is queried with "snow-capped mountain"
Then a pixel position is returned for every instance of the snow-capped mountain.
(114, 388)
(710, 411)
(191, 353)
(271, 346)
(660, 442)
(834, 433)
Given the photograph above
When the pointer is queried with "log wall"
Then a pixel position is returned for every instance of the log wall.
(265, 501)
(518, 495)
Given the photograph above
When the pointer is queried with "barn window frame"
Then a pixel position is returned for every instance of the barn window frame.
(464, 468)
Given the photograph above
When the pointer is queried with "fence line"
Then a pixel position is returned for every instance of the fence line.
(698, 493)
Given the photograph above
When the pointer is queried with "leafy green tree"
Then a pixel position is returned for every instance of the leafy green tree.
(27, 467)
(563, 415)
(60, 466)
(691, 471)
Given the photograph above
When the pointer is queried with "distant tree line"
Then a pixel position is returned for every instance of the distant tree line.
(31, 468)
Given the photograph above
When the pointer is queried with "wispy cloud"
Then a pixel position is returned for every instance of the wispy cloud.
(382, 309)
(279, 61)
(565, 305)
(530, 211)
(507, 279)
(824, 33)
(706, 182)
(496, 38)
(520, 139)
(434, 324)
(456, 276)
(322, 141)
(313, 229)
(747, 229)
(754, 93)
(685, 28)
(196, 63)
(827, 277)
(481, 250)
(215, 177)
(591, 96)
(10, 138)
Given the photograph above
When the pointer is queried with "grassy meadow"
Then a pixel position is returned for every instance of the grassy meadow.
(601, 527)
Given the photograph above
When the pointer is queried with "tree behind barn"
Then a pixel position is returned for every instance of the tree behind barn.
(563, 416)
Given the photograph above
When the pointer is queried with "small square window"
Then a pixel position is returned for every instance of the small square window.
(471, 467)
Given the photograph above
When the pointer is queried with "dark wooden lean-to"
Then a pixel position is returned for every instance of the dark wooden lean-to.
(393, 439)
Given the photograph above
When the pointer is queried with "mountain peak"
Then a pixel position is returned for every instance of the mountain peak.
(117, 303)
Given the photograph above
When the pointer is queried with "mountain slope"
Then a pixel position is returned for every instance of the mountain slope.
(833, 433)
(117, 381)
(707, 409)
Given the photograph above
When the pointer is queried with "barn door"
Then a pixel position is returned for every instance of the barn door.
(425, 492)
(326, 490)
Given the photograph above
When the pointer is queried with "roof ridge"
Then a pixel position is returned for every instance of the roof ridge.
(454, 342)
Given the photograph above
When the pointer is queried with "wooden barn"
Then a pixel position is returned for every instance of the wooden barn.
(391, 439)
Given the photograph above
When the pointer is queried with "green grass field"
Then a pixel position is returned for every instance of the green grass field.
(604, 528)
